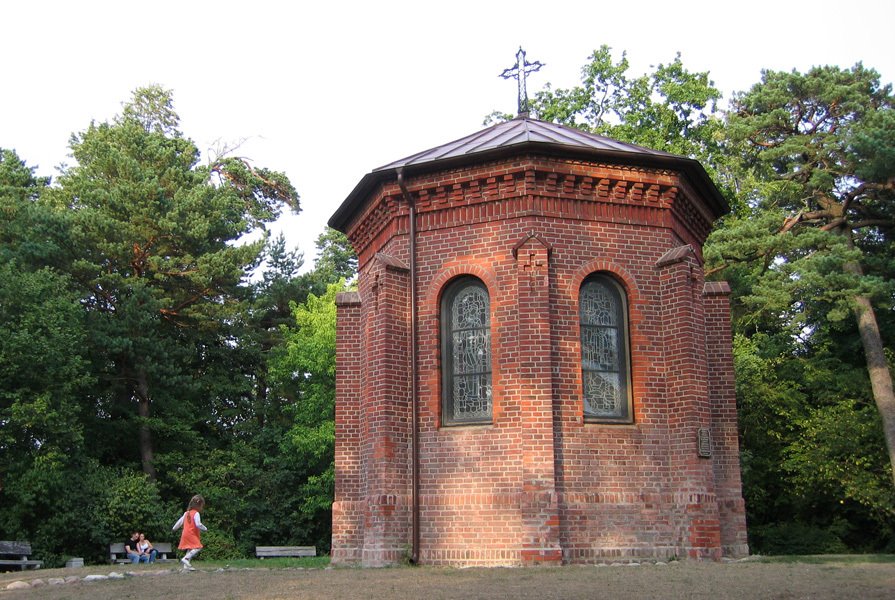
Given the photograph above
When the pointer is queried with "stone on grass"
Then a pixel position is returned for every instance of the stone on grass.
(19, 585)
(96, 577)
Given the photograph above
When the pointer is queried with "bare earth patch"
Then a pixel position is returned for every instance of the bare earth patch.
(715, 581)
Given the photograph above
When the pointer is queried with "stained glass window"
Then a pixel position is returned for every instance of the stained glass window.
(604, 352)
(466, 353)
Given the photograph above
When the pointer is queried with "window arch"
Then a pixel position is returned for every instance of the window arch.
(466, 353)
(605, 373)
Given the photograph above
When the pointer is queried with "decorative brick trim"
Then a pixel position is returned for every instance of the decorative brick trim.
(348, 299)
(716, 288)
(630, 554)
(453, 270)
(391, 263)
(471, 557)
(601, 265)
(533, 176)
(525, 240)
(675, 255)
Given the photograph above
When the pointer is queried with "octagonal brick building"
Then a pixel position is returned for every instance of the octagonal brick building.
(533, 368)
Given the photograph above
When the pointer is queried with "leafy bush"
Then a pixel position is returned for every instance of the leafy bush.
(795, 538)
(220, 545)
(131, 501)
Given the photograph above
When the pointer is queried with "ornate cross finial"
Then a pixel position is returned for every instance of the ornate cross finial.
(519, 72)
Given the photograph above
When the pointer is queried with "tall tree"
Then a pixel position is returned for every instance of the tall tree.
(156, 250)
(820, 155)
(670, 109)
(20, 215)
(42, 367)
(336, 260)
(304, 369)
(43, 374)
(790, 297)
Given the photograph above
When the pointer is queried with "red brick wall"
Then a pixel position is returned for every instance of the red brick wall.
(726, 458)
(538, 483)
(348, 508)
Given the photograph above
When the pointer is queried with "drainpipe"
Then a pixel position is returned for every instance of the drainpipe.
(414, 426)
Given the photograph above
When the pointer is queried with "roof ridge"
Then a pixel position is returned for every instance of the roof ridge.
(522, 130)
(523, 135)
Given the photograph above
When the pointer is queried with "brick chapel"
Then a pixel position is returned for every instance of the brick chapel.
(533, 368)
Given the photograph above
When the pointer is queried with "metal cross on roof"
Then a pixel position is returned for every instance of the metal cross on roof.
(519, 72)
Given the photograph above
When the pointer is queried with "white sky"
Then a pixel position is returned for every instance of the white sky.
(328, 91)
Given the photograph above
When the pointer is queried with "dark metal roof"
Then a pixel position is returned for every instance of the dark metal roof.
(526, 135)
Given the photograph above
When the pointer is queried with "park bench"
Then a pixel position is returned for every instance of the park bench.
(21, 551)
(284, 551)
(117, 554)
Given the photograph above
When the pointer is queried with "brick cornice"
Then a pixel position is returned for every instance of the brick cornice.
(675, 255)
(716, 288)
(562, 188)
(348, 299)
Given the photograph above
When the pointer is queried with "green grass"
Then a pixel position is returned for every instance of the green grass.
(313, 562)
(826, 559)
(321, 562)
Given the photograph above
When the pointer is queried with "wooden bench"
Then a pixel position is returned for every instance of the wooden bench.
(263, 552)
(117, 554)
(21, 551)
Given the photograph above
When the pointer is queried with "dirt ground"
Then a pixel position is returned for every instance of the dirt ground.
(715, 581)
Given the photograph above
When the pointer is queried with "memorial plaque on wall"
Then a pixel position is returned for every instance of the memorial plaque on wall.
(704, 444)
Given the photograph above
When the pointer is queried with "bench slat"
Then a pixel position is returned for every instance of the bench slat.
(273, 551)
(21, 548)
(21, 551)
(162, 548)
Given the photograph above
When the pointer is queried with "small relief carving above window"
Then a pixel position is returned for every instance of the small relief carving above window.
(466, 353)
(604, 350)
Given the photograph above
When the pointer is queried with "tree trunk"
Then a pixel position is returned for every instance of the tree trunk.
(877, 367)
(880, 377)
(146, 455)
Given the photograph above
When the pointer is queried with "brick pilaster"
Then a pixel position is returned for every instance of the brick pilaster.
(386, 406)
(722, 394)
(348, 509)
(540, 510)
(687, 404)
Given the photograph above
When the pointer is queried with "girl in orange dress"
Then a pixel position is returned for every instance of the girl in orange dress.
(192, 525)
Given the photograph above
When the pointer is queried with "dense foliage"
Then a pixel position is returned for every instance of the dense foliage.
(149, 352)
(808, 164)
(810, 255)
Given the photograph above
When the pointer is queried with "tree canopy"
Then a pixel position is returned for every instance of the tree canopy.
(143, 355)
(818, 150)
(806, 162)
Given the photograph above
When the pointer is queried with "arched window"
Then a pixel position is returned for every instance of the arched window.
(466, 353)
(604, 350)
